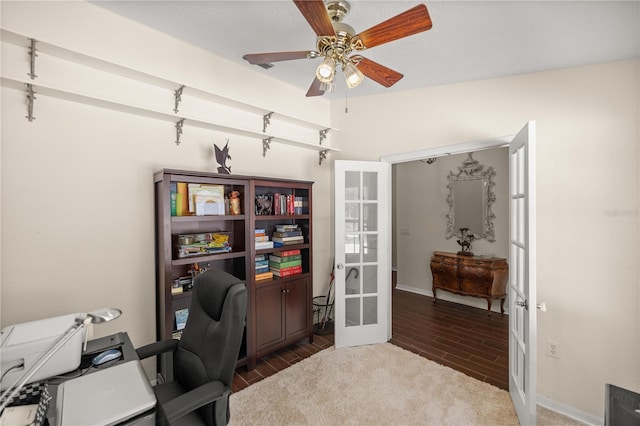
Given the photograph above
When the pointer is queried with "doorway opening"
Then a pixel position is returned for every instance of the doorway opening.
(457, 331)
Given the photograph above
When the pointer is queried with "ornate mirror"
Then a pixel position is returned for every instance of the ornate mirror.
(470, 199)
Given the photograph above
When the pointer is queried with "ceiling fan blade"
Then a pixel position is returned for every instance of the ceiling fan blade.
(376, 72)
(410, 22)
(265, 58)
(314, 89)
(315, 12)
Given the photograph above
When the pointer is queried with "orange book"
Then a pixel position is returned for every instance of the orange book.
(182, 207)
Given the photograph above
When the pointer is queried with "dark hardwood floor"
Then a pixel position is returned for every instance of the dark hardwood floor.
(464, 338)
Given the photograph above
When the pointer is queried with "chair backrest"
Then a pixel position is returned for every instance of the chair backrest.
(211, 340)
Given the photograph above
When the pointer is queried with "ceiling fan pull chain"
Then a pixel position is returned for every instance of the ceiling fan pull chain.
(346, 102)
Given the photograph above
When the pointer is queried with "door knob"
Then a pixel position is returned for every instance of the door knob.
(523, 304)
(340, 266)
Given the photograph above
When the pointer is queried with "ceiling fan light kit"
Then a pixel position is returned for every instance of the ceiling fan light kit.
(353, 75)
(336, 40)
(326, 71)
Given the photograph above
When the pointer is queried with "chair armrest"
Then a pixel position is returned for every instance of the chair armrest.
(156, 348)
(194, 399)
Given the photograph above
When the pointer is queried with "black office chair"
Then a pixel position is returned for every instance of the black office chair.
(204, 359)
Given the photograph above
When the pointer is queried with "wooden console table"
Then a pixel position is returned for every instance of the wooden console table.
(476, 276)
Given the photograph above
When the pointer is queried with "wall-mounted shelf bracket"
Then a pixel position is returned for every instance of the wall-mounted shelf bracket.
(178, 95)
(266, 120)
(32, 59)
(30, 97)
(322, 156)
(323, 134)
(179, 125)
(265, 145)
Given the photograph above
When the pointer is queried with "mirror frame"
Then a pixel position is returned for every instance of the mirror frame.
(471, 169)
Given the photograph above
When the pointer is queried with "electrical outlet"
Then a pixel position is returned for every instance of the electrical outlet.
(553, 349)
(405, 230)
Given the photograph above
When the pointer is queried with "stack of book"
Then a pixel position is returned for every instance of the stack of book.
(286, 263)
(262, 239)
(262, 268)
(287, 234)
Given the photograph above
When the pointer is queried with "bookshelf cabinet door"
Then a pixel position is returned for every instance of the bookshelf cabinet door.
(269, 315)
(297, 310)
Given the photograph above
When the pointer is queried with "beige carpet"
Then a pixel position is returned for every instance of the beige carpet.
(375, 385)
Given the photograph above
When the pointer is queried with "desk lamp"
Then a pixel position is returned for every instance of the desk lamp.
(95, 317)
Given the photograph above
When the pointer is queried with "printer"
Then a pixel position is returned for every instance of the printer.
(22, 344)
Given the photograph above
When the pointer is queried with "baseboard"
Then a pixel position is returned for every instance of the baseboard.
(474, 302)
(570, 412)
(414, 290)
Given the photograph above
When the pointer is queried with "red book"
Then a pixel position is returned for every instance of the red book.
(285, 253)
(289, 204)
(285, 272)
(276, 203)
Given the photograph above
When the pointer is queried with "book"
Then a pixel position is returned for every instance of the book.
(261, 269)
(276, 203)
(181, 318)
(260, 231)
(182, 200)
(284, 239)
(173, 203)
(287, 227)
(264, 276)
(176, 289)
(261, 262)
(206, 199)
(280, 259)
(287, 233)
(286, 243)
(264, 245)
(285, 253)
(287, 271)
(282, 265)
(261, 257)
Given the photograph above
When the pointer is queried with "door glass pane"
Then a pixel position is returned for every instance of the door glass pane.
(370, 279)
(352, 280)
(352, 312)
(370, 185)
(352, 248)
(352, 217)
(370, 248)
(352, 186)
(370, 310)
(370, 217)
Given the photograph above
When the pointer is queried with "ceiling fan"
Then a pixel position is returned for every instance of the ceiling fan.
(337, 40)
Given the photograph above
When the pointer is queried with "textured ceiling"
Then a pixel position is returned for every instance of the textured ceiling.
(470, 40)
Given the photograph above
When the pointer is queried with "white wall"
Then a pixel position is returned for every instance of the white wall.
(421, 194)
(77, 183)
(77, 199)
(588, 187)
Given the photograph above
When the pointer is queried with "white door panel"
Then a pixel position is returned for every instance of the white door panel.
(522, 274)
(362, 252)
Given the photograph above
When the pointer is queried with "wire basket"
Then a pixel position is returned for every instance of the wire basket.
(32, 394)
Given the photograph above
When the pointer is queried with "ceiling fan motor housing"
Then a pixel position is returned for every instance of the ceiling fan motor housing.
(338, 9)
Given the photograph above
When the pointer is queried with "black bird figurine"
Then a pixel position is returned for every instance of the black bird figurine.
(222, 155)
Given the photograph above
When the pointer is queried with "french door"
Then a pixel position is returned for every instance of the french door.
(363, 257)
(362, 252)
(522, 274)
